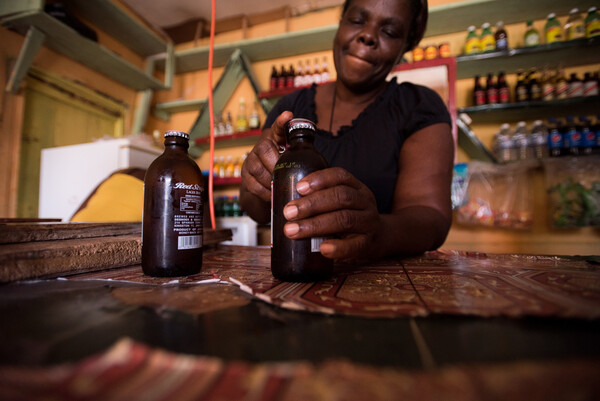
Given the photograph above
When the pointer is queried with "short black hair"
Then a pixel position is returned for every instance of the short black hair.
(418, 21)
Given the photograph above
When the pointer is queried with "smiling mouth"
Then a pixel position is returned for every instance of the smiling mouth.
(358, 59)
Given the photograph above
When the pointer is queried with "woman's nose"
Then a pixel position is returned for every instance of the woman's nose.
(367, 36)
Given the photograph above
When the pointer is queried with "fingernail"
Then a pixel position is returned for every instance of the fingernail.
(291, 229)
(290, 212)
(302, 186)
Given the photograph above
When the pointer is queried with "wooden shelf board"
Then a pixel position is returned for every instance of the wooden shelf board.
(68, 42)
(117, 23)
(236, 139)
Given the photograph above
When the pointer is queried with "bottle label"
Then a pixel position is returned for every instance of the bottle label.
(504, 94)
(590, 88)
(492, 96)
(502, 44)
(556, 141)
(522, 95)
(472, 46)
(574, 138)
(592, 28)
(588, 138)
(488, 43)
(532, 39)
(315, 244)
(479, 98)
(576, 31)
(561, 90)
(548, 91)
(575, 89)
(187, 222)
(554, 34)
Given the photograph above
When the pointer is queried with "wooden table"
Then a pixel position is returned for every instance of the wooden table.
(206, 335)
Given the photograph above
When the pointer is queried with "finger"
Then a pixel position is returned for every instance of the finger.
(327, 200)
(327, 178)
(340, 221)
(350, 246)
(261, 161)
(255, 187)
(278, 127)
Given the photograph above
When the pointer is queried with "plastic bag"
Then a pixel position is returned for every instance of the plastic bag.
(498, 196)
(573, 191)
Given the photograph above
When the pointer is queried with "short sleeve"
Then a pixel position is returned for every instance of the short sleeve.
(425, 108)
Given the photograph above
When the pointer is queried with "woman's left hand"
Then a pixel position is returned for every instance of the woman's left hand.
(334, 202)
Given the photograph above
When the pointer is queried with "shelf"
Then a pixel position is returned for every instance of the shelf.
(236, 139)
(221, 182)
(540, 109)
(568, 54)
(443, 19)
(164, 110)
(62, 39)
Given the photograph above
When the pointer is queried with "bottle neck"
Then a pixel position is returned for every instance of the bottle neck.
(301, 139)
(176, 144)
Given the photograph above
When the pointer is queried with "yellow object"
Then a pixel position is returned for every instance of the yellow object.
(120, 198)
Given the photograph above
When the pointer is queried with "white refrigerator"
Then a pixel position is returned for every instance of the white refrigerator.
(70, 173)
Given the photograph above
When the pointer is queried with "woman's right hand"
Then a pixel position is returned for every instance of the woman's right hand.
(257, 170)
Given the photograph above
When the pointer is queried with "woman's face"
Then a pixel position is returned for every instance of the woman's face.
(370, 38)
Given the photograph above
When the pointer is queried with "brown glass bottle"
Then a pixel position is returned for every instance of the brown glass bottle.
(173, 211)
(295, 260)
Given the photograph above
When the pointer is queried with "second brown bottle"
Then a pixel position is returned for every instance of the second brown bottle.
(295, 260)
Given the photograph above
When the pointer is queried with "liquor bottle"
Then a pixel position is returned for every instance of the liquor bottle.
(299, 76)
(491, 91)
(575, 86)
(535, 88)
(590, 85)
(172, 225)
(487, 42)
(241, 122)
(561, 85)
(574, 27)
(521, 92)
(295, 260)
(592, 23)
(501, 37)
(308, 75)
(532, 36)
(254, 119)
(274, 78)
(478, 93)
(472, 45)
(503, 89)
(547, 85)
(325, 76)
(281, 77)
(553, 30)
(290, 77)
(316, 75)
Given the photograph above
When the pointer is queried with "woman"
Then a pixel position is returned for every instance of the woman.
(389, 146)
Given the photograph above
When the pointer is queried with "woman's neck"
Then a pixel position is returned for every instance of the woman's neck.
(346, 95)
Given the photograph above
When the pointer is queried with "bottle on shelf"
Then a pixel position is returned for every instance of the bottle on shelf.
(221, 170)
(553, 30)
(538, 140)
(561, 85)
(316, 76)
(547, 85)
(299, 76)
(521, 91)
(532, 35)
(228, 124)
(501, 37)
(478, 92)
(575, 86)
(472, 45)
(487, 42)
(254, 119)
(274, 78)
(215, 171)
(521, 141)
(281, 77)
(237, 167)
(595, 128)
(556, 138)
(592, 23)
(572, 137)
(236, 210)
(575, 26)
(590, 85)
(503, 89)
(325, 76)
(588, 137)
(229, 167)
(491, 90)
(535, 88)
(308, 75)
(289, 77)
(503, 147)
(241, 122)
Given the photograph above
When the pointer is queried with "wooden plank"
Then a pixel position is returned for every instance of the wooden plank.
(80, 253)
(33, 41)
(12, 233)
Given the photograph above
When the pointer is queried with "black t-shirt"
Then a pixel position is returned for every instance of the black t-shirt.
(370, 147)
